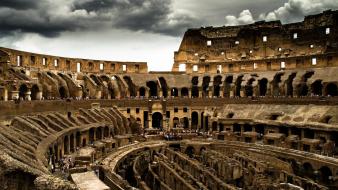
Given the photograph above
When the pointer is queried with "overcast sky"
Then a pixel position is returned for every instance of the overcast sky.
(132, 30)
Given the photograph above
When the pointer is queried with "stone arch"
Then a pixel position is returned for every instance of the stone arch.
(152, 85)
(249, 88)
(289, 84)
(23, 89)
(18, 180)
(131, 86)
(263, 86)
(142, 91)
(62, 92)
(174, 92)
(35, 92)
(214, 126)
(276, 91)
(184, 92)
(78, 139)
(106, 132)
(238, 85)
(91, 135)
(71, 143)
(227, 86)
(194, 120)
(185, 122)
(66, 144)
(157, 120)
(190, 151)
(98, 133)
(302, 87)
(325, 175)
(331, 89)
(308, 170)
(164, 86)
(194, 88)
(205, 86)
(236, 128)
(175, 122)
(217, 85)
(317, 88)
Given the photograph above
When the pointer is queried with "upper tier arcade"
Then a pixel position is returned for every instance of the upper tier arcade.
(260, 46)
(41, 62)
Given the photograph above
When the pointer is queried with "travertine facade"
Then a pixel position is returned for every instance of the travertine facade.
(252, 107)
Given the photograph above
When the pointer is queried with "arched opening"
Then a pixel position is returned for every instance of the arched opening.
(131, 86)
(202, 120)
(317, 88)
(175, 122)
(289, 85)
(227, 86)
(194, 120)
(237, 128)
(91, 135)
(247, 128)
(302, 87)
(184, 92)
(263, 86)
(205, 86)
(78, 139)
(66, 145)
(72, 147)
(221, 127)
(325, 175)
(157, 119)
(164, 87)
(22, 91)
(214, 126)
(217, 85)
(275, 84)
(194, 88)
(142, 92)
(206, 120)
(185, 123)
(249, 88)
(238, 86)
(98, 133)
(190, 151)
(174, 92)
(152, 85)
(308, 170)
(34, 92)
(62, 92)
(106, 131)
(331, 89)
(18, 180)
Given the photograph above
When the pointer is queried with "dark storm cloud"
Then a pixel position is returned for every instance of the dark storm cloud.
(19, 4)
(155, 16)
(50, 18)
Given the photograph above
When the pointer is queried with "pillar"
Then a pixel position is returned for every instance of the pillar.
(28, 95)
(14, 95)
(98, 94)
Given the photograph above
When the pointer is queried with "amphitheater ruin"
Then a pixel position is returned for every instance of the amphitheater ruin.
(244, 107)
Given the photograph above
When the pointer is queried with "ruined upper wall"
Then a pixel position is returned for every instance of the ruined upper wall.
(261, 46)
(43, 62)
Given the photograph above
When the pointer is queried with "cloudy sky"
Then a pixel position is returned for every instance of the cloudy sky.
(132, 30)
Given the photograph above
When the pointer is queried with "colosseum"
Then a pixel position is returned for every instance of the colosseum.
(250, 107)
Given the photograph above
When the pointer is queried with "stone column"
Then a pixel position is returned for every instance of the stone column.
(150, 123)
(14, 95)
(98, 94)
(28, 95)
(39, 95)
(210, 92)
